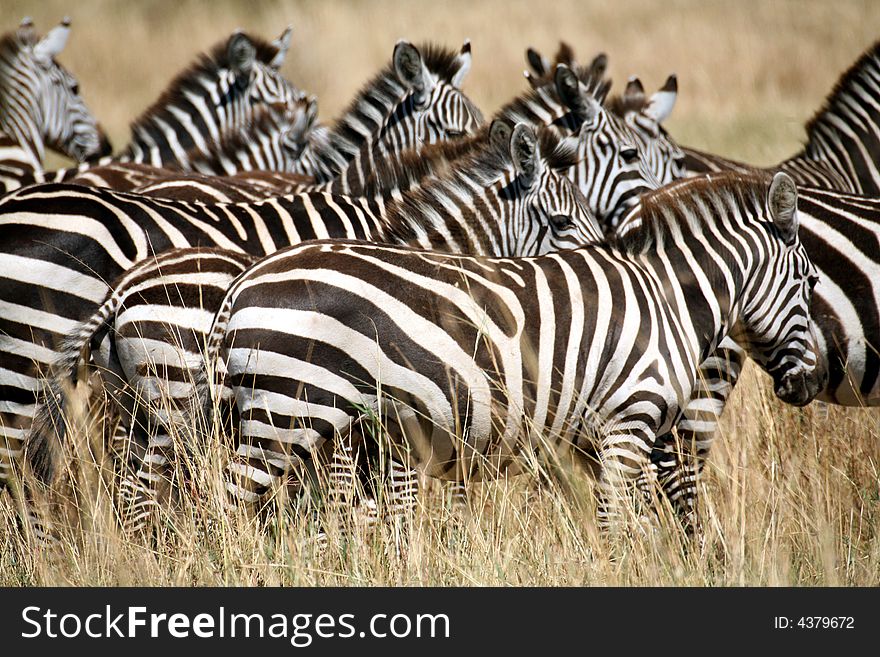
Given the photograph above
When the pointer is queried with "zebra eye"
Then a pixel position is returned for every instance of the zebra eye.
(811, 281)
(454, 133)
(561, 221)
(629, 155)
(75, 89)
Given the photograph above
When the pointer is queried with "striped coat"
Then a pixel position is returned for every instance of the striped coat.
(473, 362)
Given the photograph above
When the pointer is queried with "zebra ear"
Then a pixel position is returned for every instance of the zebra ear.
(26, 30)
(241, 53)
(634, 92)
(282, 43)
(568, 87)
(661, 104)
(312, 112)
(565, 55)
(51, 45)
(500, 132)
(598, 66)
(463, 58)
(538, 63)
(409, 66)
(782, 201)
(295, 135)
(524, 153)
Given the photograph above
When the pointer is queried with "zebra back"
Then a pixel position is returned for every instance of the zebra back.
(842, 151)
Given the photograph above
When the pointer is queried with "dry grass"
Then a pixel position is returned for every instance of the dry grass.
(790, 496)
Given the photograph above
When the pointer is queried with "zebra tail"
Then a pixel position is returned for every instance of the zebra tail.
(210, 390)
(44, 448)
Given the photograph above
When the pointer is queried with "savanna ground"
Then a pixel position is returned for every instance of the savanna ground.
(789, 496)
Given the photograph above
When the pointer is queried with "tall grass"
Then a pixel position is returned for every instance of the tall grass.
(789, 496)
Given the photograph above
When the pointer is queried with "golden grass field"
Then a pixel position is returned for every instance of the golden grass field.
(790, 497)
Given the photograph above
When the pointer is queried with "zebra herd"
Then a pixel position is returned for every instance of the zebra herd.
(561, 278)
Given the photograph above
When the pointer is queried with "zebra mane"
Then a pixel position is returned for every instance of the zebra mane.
(519, 109)
(381, 89)
(16, 39)
(406, 169)
(682, 204)
(481, 167)
(205, 66)
(265, 120)
(403, 170)
(621, 105)
(867, 65)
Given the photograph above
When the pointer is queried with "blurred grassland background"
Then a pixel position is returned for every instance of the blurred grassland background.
(790, 496)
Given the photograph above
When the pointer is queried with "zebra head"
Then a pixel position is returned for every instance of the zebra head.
(611, 170)
(644, 117)
(254, 71)
(775, 325)
(40, 98)
(548, 212)
(215, 97)
(438, 108)
(296, 130)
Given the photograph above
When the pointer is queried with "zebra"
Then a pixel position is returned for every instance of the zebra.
(212, 97)
(506, 199)
(574, 107)
(276, 139)
(40, 105)
(643, 115)
(148, 332)
(416, 99)
(841, 233)
(594, 348)
(842, 151)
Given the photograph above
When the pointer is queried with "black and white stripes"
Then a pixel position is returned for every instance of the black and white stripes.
(506, 198)
(40, 106)
(475, 359)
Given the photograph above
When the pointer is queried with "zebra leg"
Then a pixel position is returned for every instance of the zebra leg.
(342, 480)
(350, 489)
(679, 461)
(147, 483)
(625, 461)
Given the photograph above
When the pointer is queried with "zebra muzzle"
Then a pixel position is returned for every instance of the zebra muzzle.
(799, 388)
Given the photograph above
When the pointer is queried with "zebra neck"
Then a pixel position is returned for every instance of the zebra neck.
(18, 165)
(21, 139)
(703, 283)
(845, 133)
(166, 132)
(355, 138)
(258, 153)
(457, 215)
(539, 106)
(697, 162)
